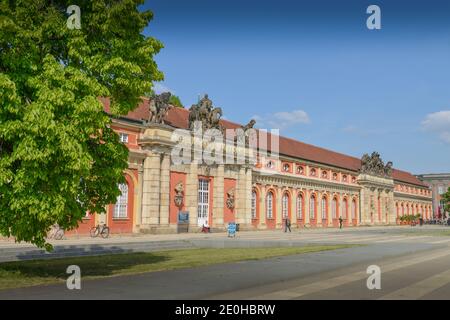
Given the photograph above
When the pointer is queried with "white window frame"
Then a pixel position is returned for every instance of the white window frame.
(123, 137)
(269, 205)
(121, 206)
(285, 206)
(254, 197)
(324, 208)
(300, 206)
(312, 207)
(203, 200)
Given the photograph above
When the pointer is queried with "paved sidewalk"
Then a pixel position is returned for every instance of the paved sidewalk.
(84, 246)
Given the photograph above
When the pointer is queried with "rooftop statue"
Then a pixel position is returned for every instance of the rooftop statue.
(205, 113)
(374, 165)
(159, 107)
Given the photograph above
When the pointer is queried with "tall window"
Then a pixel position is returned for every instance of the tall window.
(354, 209)
(334, 207)
(254, 204)
(312, 207)
(269, 205)
(203, 201)
(120, 209)
(285, 205)
(300, 206)
(345, 209)
(324, 208)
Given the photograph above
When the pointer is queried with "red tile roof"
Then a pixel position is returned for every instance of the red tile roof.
(179, 118)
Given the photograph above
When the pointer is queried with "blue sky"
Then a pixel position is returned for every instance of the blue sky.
(314, 70)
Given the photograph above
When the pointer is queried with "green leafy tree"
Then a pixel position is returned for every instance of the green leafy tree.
(446, 199)
(59, 156)
(175, 101)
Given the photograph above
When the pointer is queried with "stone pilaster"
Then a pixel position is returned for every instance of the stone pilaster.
(293, 204)
(279, 212)
(192, 195)
(139, 197)
(218, 202)
(262, 208)
(306, 211)
(151, 189)
(164, 190)
(243, 197)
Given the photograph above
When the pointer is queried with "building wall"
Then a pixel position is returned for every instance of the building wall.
(316, 195)
(436, 182)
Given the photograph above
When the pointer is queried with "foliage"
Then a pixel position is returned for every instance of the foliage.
(59, 156)
(446, 200)
(175, 101)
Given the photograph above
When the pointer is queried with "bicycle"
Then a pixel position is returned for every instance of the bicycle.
(102, 230)
(56, 232)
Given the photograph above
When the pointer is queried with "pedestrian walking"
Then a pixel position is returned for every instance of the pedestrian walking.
(341, 222)
(287, 225)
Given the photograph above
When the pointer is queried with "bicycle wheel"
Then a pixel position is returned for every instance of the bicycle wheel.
(59, 234)
(105, 232)
(94, 232)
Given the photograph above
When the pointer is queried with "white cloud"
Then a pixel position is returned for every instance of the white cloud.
(160, 88)
(438, 122)
(282, 119)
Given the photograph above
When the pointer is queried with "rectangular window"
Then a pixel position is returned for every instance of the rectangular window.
(123, 137)
(121, 207)
(300, 207)
(253, 205)
(203, 202)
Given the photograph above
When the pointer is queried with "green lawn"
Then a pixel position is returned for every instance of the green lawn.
(41, 272)
(435, 233)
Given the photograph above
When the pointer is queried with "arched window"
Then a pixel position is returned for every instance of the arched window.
(269, 205)
(354, 209)
(300, 206)
(312, 207)
(285, 205)
(345, 209)
(286, 167)
(313, 172)
(300, 170)
(120, 209)
(344, 178)
(254, 197)
(324, 208)
(334, 208)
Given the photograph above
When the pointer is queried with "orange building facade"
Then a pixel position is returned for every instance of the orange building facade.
(311, 186)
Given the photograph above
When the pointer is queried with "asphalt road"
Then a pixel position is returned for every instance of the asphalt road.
(410, 269)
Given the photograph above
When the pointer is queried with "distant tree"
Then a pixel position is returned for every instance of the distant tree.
(446, 199)
(175, 101)
(59, 156)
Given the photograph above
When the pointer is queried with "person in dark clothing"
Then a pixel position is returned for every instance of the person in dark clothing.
(341, 222)
(287, 225)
